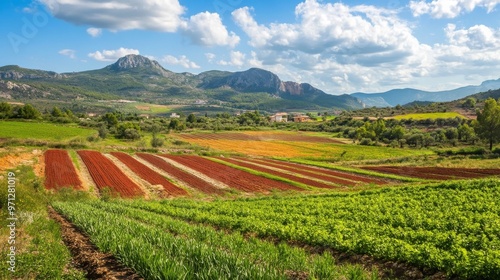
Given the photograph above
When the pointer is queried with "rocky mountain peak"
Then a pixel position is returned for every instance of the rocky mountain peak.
(135, 61)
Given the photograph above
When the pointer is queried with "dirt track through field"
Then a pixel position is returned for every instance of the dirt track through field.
(87, 257)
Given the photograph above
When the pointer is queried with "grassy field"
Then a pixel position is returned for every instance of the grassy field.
(41, 131)
(423, 116)
(39, 250)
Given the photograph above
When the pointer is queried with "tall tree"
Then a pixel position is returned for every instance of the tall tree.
(488, 122)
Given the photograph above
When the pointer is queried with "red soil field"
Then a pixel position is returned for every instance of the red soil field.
(106, 174)
(302, 180)
(148, 174)
(313, 172)
(230, 176)
(263, 137)
(60, 171)
(435, 173)
(191, 180)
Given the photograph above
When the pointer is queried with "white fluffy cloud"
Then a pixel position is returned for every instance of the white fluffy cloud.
(94, 32)
(450, 8)
(204, 28)
(338, 46)
(237, 58)
(356, 34)
(181, 61)
(68, 52)
(207, 29)
(112, 55)
(159, 15)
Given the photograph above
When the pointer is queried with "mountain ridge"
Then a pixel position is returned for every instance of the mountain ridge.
(404, 96)
(135, 76)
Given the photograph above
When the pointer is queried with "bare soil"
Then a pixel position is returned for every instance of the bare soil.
(87, 257)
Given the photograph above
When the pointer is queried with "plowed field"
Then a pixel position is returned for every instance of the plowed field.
(261, 136)
(232, 177)
(435, 173)
(106, 174)
(191, 180)
(319, 173)
(148, 174)
(60, 171)
(302, 180)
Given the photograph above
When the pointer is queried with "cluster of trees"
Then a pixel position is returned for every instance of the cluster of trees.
(415, 133)
(29, 112)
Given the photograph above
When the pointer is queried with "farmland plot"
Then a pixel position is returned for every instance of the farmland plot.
(60, 171)
(106, 174)
(450, 227)
(149, 175)
(436, 173)
(232, 177)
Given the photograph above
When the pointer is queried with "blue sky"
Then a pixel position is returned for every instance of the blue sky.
(337, 46)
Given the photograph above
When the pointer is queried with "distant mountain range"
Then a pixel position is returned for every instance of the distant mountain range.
(403, 96)
(136, 77)
(139, 78)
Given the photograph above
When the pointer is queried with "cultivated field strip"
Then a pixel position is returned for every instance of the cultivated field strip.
(313, 171)
(106, 174)
(262, 136)
(189, 179)
(148, 174)
(235, 178)
(159, 247)
(451, 227)
(60, 171)
(435, 173)
(274, 172)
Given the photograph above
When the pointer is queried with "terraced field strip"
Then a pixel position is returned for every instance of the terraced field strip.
(309, 182)
(148, 174)
(189, 179)
(317, 172)
(60, 171)
(106, 174)
(232, 177)
(261, 136)
(435, 173)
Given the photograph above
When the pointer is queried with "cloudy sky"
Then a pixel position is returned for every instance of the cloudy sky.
(337, 46)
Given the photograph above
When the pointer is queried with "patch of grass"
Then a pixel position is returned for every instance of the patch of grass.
(40, 252)
(423, 116)
(41, 131)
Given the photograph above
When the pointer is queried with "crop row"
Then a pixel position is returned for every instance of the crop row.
(451, 227)
(261, 137)
(188, 179)
(159, 247)
(59, 171)
(435, 173)
(106, 174)
(148, 174)
(237, 179)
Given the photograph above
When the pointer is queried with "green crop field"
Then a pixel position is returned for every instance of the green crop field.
(43, 131)
(433, 116)
(451, 227)
(158, 246)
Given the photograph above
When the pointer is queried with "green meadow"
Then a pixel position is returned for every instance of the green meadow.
(423, 116)
(41, 131)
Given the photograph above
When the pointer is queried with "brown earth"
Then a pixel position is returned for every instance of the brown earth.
(87, 257)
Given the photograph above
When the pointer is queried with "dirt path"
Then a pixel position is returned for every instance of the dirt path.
(87, 257)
